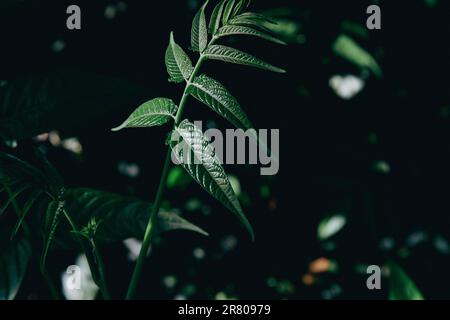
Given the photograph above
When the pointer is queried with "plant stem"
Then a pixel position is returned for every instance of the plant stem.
(162, 184)
(97, 279)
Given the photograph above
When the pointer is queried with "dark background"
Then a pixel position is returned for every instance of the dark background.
(326, 160)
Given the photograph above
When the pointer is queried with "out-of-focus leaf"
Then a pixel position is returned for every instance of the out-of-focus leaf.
(14, 258)
(52, 218)
(67, 100)
(121, 217)
(178, 178)
(402, 287)
(347, 48)
(330, 226)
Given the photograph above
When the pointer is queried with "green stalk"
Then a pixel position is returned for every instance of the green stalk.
(97, 279)
(159, 194)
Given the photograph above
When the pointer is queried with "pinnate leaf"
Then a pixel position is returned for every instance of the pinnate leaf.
(216, 96)
(195, 153)
(231, 30)
(228, 11)
(216, 17)
(199, 32)
(155, 112)
(179, 66)
(227, 54)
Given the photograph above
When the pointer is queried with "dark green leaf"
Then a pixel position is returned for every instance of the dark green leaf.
(227, 54)
(401, 285)
(195, 153)
(26, 208)
(255, 24)
(13, 195)
(240, 6)
(155, 112)
(178, 64)
(14, 258)
(63, 100)
(216, 96)
(216, 17)
(121, 217)
(257, 17)
(244, 30)
(52, 219)
(348, 49)
(199, 32)
(228, 12)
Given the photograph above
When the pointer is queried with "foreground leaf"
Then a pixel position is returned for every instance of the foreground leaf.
(401, 285)
(121, 217)
(216, 17)
(227, 54)
(228, 12)
(216, 96)
(257, 17)
(199, 32)
(179, 66)
(155, 112)
(244, 30)
(14, 258)
(252, 23)
(192, 149)
(240, 6)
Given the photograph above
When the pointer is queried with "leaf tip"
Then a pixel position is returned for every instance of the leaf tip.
(118, 128)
